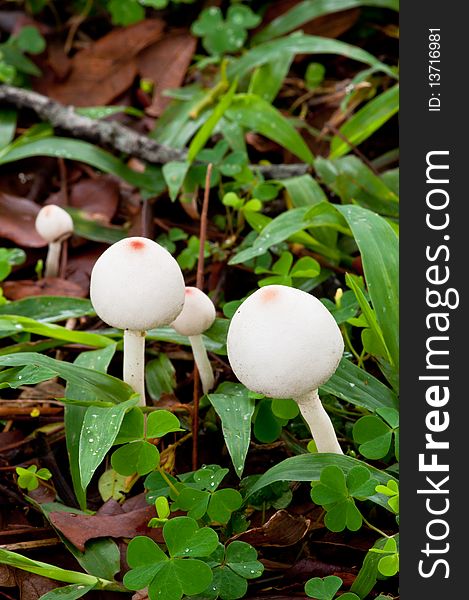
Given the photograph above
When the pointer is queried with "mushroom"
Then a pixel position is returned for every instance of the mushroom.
(196, 317)
(136, 285)
(54, 225)
(284, 343)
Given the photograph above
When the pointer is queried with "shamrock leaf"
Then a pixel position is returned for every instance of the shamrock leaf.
(29, 478)
(170, 578)
(223, 36)
(390, 489)
(232, 567)
(223, 503)
(389, 565)
(161, 422)
(375, 434)
(337, 494)
(136, 457)
(323, 588)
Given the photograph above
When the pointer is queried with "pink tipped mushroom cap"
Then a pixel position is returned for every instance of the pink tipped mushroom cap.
(136, 284)
(197, 315)
(283, 342)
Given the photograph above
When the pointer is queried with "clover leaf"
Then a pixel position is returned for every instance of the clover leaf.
(171, 577)
(232, 567)
(391, 489)
(375, 434)
(337, 494)
(220, 35)
(388, 565)
(205, 498)
(138, 455)
(29, 478)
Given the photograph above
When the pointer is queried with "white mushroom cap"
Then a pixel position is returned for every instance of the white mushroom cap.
(53, 223)
(197, 315)
(136, 284)
(283, 342)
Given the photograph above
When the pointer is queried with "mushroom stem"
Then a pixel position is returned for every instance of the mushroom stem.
(319, 422)
(202, 362)
(53, 259)
(134, 362)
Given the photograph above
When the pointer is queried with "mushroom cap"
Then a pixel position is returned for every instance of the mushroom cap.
(283, 342)
(53, 223)
(136, 284)
(197, 315)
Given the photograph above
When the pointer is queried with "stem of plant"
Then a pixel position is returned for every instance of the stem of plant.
(200, 285)
(53, 259)
(203, 364)
(319, 422)
(385, 535)
(134, 362)
(162, 472)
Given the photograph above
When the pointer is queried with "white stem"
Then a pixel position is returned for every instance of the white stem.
(53, 259)
(134, 362)
(202, 362)
(319, 422)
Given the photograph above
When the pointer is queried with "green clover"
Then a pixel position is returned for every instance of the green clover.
(391, 489)
(325, 588)
(181, 573)
(29, 478)
(388, 565)
(375, 435)
(221, 36)
(337, 494)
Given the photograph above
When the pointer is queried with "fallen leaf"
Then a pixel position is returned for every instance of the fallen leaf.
(105, 69)
(49, 286)
(282, 529)
(165, 64)
(80, 265)
(17, 217)
(99, 197)
(78, 529)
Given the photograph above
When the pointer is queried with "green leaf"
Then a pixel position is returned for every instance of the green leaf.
(91, 229)
(8, 117)
(135, 457)
(354, 385)
(223, 503)
(389, 565)
(99, 430)
(267, 427)
(305, 11)
(48, 308)
(256, 114)
(50, 330)
(285, 409)
(378, 245)
(193, 501)
(183, 537)
(323, 588)
(204, 133)
(299, 43)
(314, 75)
(69, 592)
(105, 387)
(30, 40)
(242, 559)
(366, 121)
(373, 435)
(308, 467)
(71, 149)
(160, 376)
(161, 422)
(174, 174)
(125, 13)
(368, 574)
(235, 409)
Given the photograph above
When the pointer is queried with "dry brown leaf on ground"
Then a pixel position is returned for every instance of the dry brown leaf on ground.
(165, 64)
(282, 529)
(49, 286)
(106, 69)
(17, 217)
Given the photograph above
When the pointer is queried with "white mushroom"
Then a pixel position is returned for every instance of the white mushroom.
(136, 285)
(284, 343)
(54, 225)
(196, 317)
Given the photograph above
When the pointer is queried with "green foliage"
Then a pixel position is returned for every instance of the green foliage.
(337, 494)
(138, 454)
(375, 435)
(15, 67)
(30, 478)
(284, 272)
(391, 489)
(178, 573)
(325, 588)
(222, 36)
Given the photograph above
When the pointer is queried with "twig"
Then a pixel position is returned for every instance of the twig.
(112, 135)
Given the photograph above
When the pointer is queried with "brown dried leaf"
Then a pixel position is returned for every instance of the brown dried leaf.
(49, 286)
(98, 197)
(78, 529)
(166, 63)
(17, 217)
(282, 529)
(106, 69)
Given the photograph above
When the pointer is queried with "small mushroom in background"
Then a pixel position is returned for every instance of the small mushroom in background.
(284, 343)
(54, 225)
(136, 285)
(196, 317)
